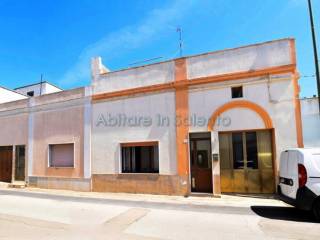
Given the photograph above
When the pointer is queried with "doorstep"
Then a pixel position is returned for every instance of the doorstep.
(17, 184)
(4, 184)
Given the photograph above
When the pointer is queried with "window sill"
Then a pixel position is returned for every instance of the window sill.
(139, 174)
(61, 167)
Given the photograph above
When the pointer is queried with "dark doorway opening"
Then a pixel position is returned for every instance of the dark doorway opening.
(20, 163)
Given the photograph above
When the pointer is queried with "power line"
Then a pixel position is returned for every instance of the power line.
(308, 76)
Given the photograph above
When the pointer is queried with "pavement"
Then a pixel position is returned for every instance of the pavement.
(33, 213)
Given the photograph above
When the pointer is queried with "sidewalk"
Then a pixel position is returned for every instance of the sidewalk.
(224, 201)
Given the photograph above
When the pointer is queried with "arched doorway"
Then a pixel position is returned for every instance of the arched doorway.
(246, 159)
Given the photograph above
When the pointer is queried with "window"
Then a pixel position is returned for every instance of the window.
(237, 92)
(61, 155)
(140, 157)
(237, 143)
(30, 94)
(252, 150)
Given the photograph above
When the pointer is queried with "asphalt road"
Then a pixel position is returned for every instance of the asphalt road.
(26, 215)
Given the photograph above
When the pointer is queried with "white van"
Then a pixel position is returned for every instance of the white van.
(299, 179)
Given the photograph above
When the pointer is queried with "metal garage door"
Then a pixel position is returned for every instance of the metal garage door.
(246, 162)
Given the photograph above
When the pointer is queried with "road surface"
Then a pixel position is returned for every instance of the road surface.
(29, 215)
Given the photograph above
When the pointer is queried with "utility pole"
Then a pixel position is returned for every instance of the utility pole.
(179, 30)
(315, 50)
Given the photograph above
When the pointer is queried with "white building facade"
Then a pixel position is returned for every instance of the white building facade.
(212, 123)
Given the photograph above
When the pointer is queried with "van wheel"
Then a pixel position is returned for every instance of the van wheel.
(316, 209)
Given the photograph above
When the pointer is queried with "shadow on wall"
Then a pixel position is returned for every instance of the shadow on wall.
(284, 213)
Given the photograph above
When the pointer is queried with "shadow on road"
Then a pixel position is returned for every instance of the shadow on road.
(284, 213)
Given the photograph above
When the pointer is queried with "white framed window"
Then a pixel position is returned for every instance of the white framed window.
(61, 155)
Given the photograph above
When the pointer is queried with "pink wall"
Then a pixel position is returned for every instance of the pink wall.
(55, 127)
(60, 124)
(13, 126)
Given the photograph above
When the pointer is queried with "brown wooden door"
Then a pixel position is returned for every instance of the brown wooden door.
(5, 164)
(201, 165)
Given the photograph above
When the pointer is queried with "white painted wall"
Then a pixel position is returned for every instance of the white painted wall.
(9, 96)
(277, 100)
(310, 122)
(274, 94)
(49, 88)
(106, 140)
(252, 57)
(134, 77)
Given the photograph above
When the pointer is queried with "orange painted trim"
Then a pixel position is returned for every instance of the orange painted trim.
(296, 96)
(182, 81)
(182, 113)
(297, 105)
(139, 144)
(241, 104)
(243, 75)
(180, 73)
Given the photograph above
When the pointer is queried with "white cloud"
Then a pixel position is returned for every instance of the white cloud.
(128, 38)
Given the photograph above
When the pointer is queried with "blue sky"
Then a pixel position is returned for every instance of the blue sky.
(58, 37)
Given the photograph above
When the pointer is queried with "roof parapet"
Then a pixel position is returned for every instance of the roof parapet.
(97, 68)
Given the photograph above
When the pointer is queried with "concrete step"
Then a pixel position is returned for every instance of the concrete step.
(17, 184)
(4, 184)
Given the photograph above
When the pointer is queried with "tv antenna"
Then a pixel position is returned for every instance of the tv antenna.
(179, 30)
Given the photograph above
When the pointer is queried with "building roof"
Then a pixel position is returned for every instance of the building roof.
(34, 84)
(10, 90)
(201, 54)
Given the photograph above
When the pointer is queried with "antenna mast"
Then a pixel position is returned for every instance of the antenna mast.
(41, 80)
(179, 30)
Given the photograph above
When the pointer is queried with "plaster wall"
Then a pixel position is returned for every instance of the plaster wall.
(310, 122)
(106, 139)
